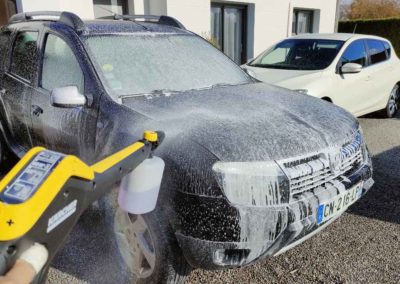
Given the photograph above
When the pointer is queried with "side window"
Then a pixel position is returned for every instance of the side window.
(60, 66)
(376, 51)
(355, 53)
(388, 49)
(4, 46)
(24, 55)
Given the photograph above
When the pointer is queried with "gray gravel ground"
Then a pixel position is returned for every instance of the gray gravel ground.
(363, 246)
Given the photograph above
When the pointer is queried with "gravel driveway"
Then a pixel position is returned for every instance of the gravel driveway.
(363, 246)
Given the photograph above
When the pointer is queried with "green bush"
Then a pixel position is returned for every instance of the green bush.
(387, 28)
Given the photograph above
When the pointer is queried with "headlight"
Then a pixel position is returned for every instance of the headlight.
(302, 91)
(253, 183)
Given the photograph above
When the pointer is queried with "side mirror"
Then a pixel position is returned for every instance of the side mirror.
(351, 68)
(67, 97)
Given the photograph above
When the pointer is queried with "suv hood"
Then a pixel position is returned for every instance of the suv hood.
(252, 122)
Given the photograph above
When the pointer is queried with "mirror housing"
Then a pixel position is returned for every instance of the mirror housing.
(350, 68)
(67, 97)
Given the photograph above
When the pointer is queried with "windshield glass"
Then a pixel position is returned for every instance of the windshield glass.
(300, 54)
(138, 64)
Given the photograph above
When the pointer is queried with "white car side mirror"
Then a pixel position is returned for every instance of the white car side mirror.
(67, 97)
(351, 68)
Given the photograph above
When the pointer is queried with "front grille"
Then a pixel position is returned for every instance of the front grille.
(317, 170)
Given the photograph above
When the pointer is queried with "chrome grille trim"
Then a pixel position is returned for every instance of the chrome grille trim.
(315, 171)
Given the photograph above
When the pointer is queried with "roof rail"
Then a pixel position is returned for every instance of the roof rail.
(162, 20)
(67, 18)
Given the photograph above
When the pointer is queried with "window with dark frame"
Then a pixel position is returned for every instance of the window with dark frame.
(302, 21)
(103, 8)
(377, 51)
(228, 25)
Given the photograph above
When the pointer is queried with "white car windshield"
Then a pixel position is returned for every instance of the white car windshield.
(300, 54)
(138, 64)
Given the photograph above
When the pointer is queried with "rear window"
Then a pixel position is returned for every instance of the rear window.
(376, 51)
(388, 49)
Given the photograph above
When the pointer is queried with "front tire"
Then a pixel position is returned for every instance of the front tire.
(393, 103)
(149, 248)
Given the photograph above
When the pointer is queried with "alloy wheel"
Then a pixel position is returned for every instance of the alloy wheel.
(141, 242)
(394, 101)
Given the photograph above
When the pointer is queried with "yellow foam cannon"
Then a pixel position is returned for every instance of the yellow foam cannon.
(43, 196)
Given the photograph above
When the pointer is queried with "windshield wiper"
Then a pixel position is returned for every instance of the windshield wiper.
(169, 91)
(218, 85)
(153, 92)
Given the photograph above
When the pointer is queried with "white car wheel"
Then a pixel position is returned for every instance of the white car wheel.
(393, 103)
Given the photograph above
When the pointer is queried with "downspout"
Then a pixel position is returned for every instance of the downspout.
(289, 25)
(20, 8)
(337, 18)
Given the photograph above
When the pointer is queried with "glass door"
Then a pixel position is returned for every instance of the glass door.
(216, 25)
(227, 29)
(233, 28)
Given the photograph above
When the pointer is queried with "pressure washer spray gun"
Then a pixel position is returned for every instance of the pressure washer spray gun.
(43, 196)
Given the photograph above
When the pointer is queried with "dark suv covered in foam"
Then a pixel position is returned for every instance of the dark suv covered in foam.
(251, 169)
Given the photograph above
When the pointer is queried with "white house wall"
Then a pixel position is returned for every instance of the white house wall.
(83, 8)
(268, 20)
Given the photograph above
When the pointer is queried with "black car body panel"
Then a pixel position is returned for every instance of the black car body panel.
(246, 123)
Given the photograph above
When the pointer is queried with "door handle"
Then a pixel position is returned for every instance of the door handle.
(36, 110)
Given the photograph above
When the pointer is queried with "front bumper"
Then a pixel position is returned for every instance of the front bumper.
(240, 235)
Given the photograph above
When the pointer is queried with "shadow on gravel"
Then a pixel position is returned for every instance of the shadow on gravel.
(382, 201)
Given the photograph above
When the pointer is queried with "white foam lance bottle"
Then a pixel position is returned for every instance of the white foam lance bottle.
(139, 189)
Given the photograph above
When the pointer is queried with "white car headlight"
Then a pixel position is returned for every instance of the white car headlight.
(253, 183)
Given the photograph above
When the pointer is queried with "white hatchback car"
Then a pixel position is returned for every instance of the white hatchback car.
(360, 73)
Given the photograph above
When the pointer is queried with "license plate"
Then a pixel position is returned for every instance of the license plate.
(339, 204)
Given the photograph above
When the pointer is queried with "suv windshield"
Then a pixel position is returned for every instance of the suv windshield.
(137, 64)
(300, 54)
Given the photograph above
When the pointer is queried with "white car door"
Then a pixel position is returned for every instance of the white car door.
(382, 72)
(351, 91)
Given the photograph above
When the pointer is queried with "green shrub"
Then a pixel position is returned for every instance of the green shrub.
(387, 28)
